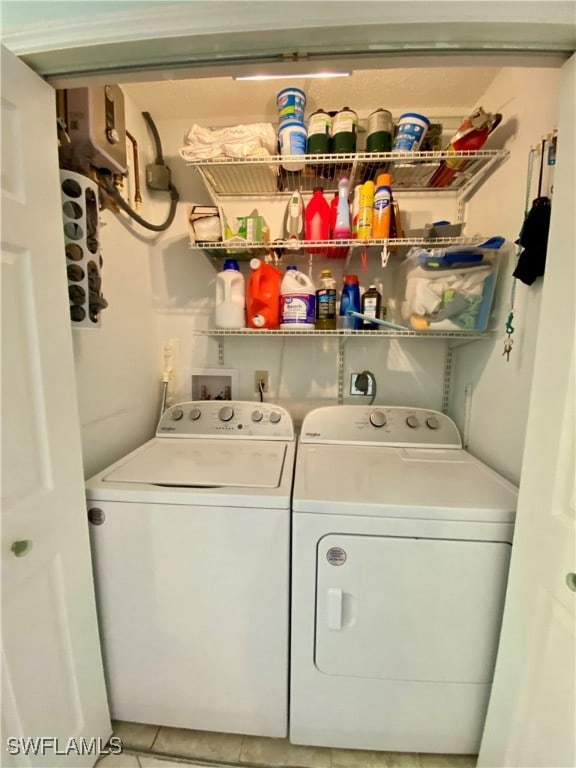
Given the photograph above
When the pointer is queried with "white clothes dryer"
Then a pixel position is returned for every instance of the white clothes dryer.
(190, 538)
(400, 552)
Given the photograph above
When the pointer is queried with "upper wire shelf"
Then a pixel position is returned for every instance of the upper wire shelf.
(410, 171)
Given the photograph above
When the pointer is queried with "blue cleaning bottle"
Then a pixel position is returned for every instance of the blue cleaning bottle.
(342, 228)
(350, 301)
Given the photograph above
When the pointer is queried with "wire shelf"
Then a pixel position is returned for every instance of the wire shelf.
(410, 171)
(343, 332)
(326, 246)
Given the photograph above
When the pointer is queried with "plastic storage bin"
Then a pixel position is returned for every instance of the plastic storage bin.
(452, 295)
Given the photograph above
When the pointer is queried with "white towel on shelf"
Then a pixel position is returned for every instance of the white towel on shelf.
(254, 140)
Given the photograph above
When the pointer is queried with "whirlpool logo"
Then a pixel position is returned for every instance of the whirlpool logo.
(313, 434)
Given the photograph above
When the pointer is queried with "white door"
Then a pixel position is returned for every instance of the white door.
(52, 676)
(383, 594)
(532, 713)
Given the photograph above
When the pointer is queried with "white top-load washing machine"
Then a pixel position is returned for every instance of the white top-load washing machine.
(190, 538)
(400, 552)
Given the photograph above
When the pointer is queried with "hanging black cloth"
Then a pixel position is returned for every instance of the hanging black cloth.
(534, 236)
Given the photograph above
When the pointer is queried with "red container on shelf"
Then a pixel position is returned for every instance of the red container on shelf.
(317, 221)
(471, 136)
(263, 295)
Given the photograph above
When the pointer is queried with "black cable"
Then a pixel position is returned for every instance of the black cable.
(108, 185)
(363, 383)
(155, 134)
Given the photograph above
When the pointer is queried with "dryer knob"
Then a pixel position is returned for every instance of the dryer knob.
(378, 419)
(195, 414)
(275, 417)
(225, 413)
(257, 415)
(412, 421)
(177, 414)
(432, 422)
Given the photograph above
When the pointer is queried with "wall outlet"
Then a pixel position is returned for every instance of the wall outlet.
(261, 377)
(361, 384)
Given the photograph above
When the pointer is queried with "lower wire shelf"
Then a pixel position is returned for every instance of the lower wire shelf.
(343, 333)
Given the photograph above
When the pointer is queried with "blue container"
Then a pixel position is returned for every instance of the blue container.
(291, 103)
(350, 300)
(292, 141)
(411, 130)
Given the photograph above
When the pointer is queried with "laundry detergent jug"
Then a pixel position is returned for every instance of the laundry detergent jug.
(297, 301)
(263, 295)
(230, 304)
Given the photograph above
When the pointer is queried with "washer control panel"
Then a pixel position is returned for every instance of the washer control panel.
(380, 425)
(226, 418)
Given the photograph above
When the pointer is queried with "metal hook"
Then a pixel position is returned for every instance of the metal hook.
(384, 255)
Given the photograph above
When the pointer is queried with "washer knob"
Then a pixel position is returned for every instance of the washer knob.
(177, 414)
(378, 419)
(257, 415)
(195, 414)
(432, 422)
(275, 417)
(412, 421)
(225, 413)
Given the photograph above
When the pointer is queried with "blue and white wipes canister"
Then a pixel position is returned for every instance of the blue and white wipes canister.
(291, 103)
(292, 139)
(410, 132)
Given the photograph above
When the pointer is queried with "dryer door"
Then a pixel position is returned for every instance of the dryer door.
(409, 609)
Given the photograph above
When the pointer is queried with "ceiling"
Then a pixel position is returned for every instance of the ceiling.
(438, 91)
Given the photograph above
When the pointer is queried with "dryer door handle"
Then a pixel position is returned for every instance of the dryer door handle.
(335, 597)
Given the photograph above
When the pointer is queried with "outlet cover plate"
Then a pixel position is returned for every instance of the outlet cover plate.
(261, 376)
(354, 388)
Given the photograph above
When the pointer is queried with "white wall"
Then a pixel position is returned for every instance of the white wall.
(302, 372)
(161, 291)
(528, 99)
(118, 366)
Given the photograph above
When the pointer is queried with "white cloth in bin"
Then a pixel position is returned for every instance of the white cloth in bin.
(425, 290)
(253, 140)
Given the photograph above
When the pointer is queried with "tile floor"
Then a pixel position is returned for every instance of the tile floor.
(150, 746)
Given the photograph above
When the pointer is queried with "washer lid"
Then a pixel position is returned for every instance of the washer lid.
(205, 463)
(429, 483)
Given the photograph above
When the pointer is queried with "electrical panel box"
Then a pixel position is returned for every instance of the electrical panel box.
(96, 123)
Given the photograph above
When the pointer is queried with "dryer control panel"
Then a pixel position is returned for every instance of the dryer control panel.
(226, 418)
(380, 425)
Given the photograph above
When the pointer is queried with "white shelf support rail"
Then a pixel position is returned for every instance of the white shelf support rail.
(341, 342)
(447, 377)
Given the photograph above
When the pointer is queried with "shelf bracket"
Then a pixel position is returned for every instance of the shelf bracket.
(341, 341)
(447, 378)
(220, 351)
